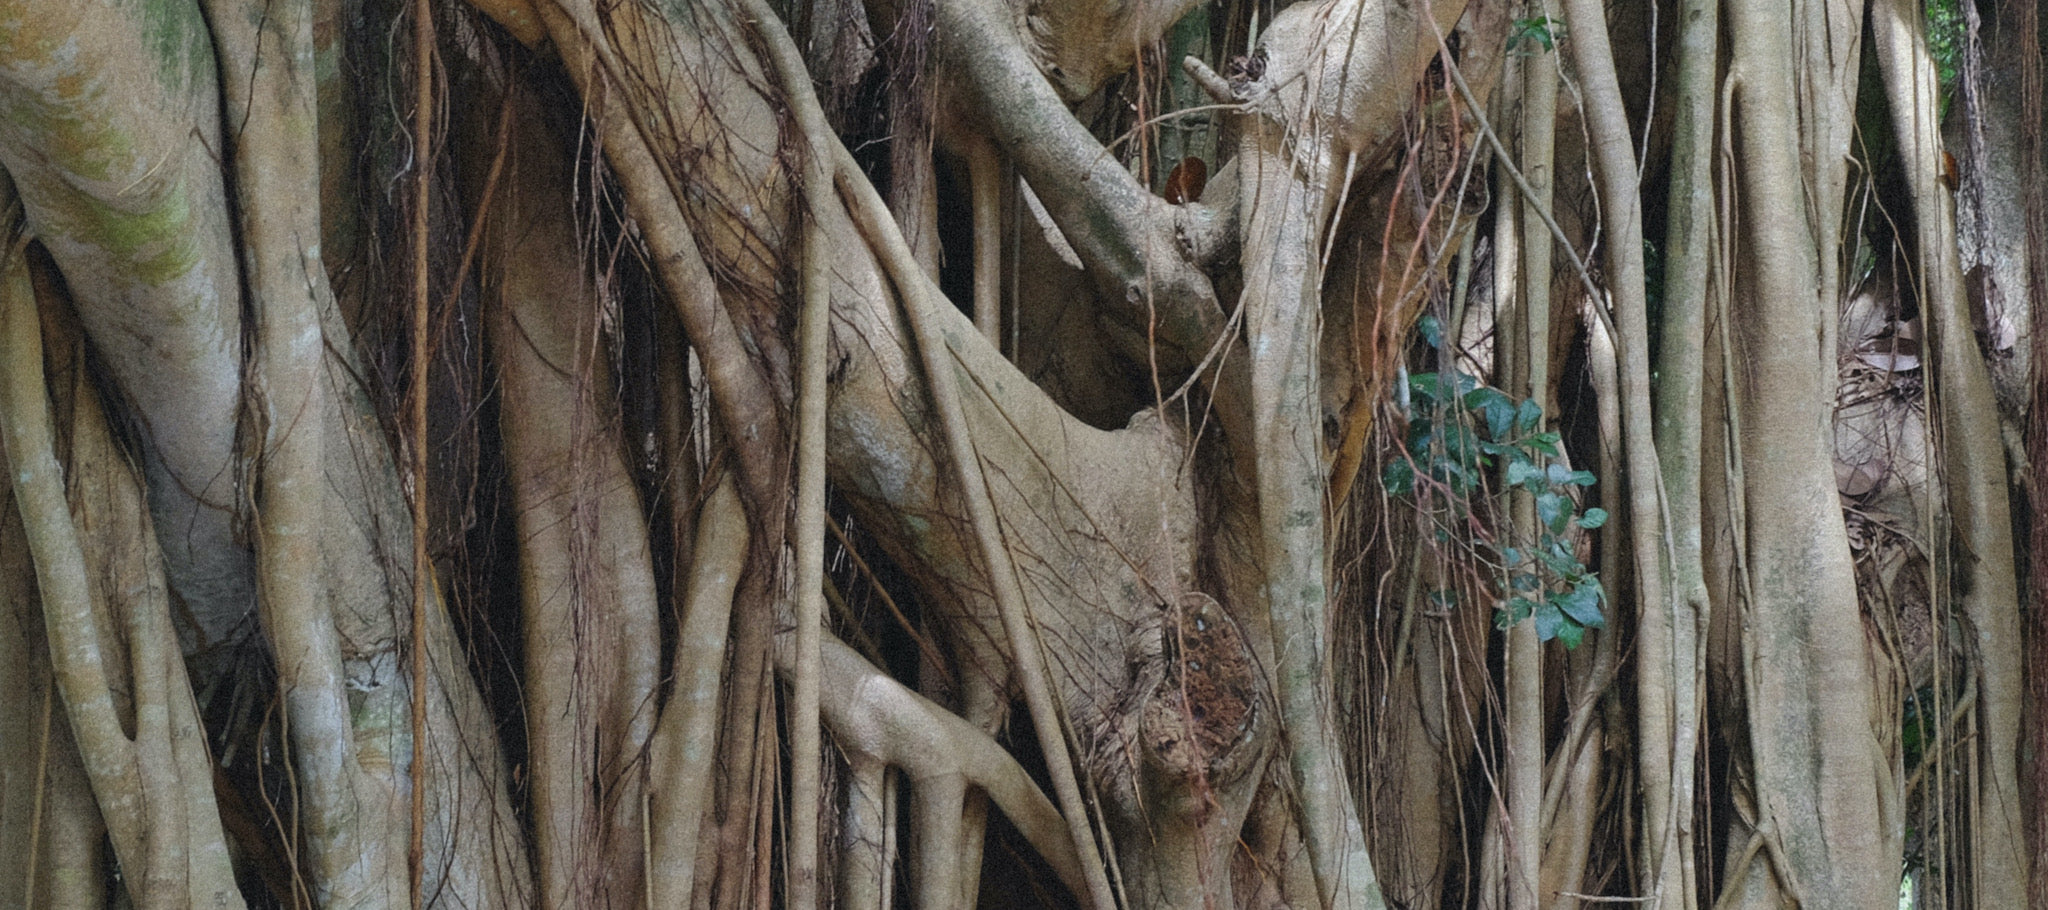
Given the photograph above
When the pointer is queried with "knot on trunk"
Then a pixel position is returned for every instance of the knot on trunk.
(1204, 721)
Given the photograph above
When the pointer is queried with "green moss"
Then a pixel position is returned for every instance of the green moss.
(177, 39)
(68, 135)
(158, 242)
(154, 245)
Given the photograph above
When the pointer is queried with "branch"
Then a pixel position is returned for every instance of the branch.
(747, 405)
(876, 717)
(684, 746)
(1025, 646)
(1318, 108)
(152, 789)
(1975, 467)
(1128, 239)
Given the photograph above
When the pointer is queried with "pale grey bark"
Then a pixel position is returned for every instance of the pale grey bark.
(1977, 494)
(97, 129)
(1820, 772)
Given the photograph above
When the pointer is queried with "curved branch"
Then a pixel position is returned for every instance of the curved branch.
(1128, 239)
(877, 717)
(1025, 644)
(1319, 108)
(813, 336)
(746, 402)
(113, 140)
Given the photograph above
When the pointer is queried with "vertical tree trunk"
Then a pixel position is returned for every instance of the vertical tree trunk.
(1821, 776)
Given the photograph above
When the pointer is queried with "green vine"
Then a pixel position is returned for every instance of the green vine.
(1468, 446)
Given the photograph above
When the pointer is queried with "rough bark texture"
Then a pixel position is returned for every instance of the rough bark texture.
(1195, 554)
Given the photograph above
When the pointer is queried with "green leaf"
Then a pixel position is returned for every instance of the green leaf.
(1519, 608)
(1460, 445)
(1553, 511)
(1593, 518)
(1560, 564)
(1500, 417)
(1548, 620)
(1422, 387)
(1582, 604)
(1521, 470)
(1572, 634)
(1452, 474)
(1558, 475)
(1432, 330)
(1544, 442)
(1497, 409)
(1537, 29)
(1527, 416)
(1398, 477)
(1421, 435)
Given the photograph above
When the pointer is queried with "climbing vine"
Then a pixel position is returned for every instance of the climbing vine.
(1468, 447)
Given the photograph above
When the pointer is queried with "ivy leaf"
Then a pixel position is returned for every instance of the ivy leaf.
(1581, 478)
(1517, 609)
(1554, 511)
(1459, 445)
(1593, 518)
(1582, 604)
(1398, 477)
(1572, 634)
(1538, 29)
(1548, 620)
(1500, 417)
(1496, 408)
(1558, 474)
(1432, 330)
(1521, 470)
(1544, 442)
(1421, 435)
(1527, 416)
(1453, 475)
(1422, 387)
(1560, 563)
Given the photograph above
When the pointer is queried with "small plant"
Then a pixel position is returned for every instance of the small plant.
(1947, 36)
(1542, 30)
(1460, 432)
